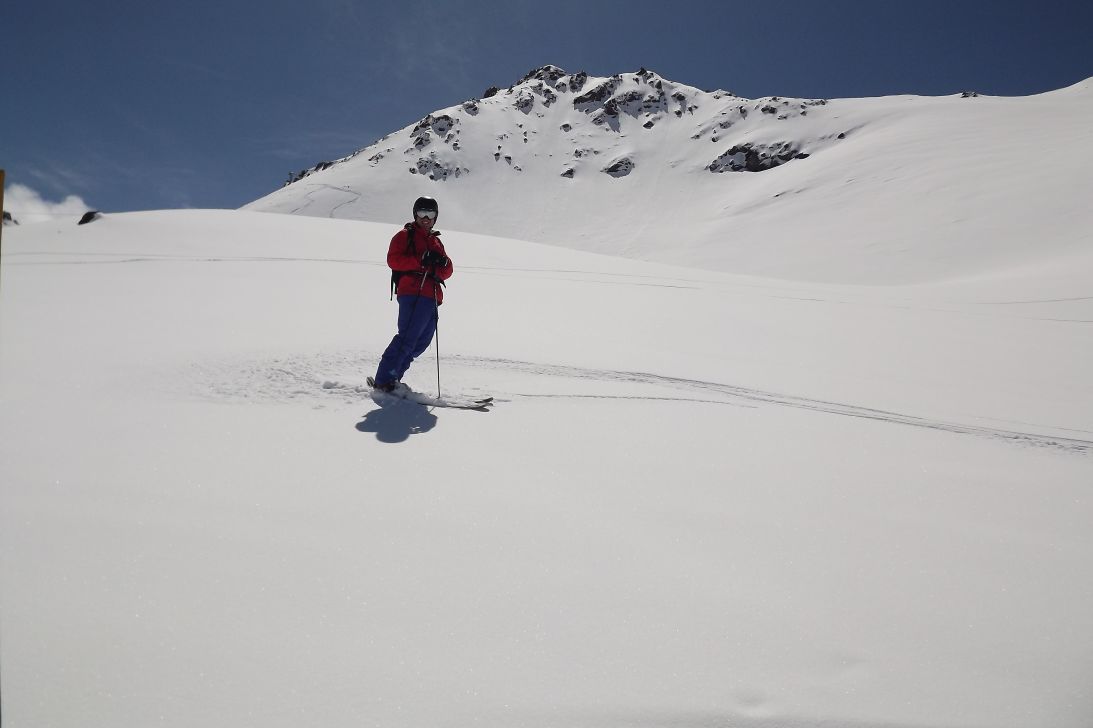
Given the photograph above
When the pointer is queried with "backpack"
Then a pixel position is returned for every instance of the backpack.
(411, 249)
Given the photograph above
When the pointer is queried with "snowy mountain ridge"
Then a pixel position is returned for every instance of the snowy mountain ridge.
(772, 186)
(643, 96)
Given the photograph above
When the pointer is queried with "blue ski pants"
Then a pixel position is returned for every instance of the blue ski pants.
(417, 317)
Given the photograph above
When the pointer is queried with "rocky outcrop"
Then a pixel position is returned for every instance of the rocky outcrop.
(437, 170)
(606, 111)
(524, 102)
(755, 157)
(783, 109)
(90, 216)
(431, 126)
(547, 74)
(620, 168)
(8, 219)
(297, 176)
(598, 96)
(546, 92)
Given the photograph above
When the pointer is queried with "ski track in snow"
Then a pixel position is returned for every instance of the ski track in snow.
(338, 378)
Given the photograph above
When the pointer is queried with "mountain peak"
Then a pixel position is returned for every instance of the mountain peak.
(561, 109)
(548, 74)
(566, 157)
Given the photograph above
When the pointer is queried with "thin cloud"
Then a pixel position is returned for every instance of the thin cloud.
(28, 206)
(60, 177)
(309, 144)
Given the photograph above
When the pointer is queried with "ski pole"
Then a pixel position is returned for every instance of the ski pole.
(436, 335)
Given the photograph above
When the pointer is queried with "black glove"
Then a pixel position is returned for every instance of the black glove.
(434, 259)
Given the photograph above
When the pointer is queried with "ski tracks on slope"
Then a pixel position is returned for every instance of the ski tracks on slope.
(336, 379)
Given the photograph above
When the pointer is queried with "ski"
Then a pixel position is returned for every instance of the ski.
(482, 404)
(454, 402)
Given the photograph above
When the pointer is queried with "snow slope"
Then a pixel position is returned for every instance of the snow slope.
(901, 189)
(702, 499)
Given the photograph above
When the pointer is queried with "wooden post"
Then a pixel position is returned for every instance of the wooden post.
(1, 209)
(1, 212)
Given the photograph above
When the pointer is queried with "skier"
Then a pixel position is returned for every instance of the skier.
(419, 267)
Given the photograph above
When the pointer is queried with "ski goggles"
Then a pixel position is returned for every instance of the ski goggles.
(431, 214)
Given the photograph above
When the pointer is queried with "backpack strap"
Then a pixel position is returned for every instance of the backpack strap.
(410, 249)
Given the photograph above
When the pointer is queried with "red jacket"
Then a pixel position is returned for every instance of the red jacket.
(408, 262)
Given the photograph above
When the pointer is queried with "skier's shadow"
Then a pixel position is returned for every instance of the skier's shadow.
(395, 422)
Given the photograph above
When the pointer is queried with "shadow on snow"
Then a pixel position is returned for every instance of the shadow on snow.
(395, 422)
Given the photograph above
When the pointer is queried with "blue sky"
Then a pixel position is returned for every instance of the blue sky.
(140, 104)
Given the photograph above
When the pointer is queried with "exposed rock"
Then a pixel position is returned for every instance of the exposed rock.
(755, 157)
(434, 169)
(603, 118)
(970, 95)
(548, 74)
(680, 98)
(549, 97)
(598, 95)
(621, 168)
(632, 102)
(524, 102)
(654, 101)
(422, 133)
(297, 176)
(439, 125)
(610, 104)
(490, 92)
(8, 219)
(91, 216)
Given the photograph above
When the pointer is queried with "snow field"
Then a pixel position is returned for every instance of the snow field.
(701, 499)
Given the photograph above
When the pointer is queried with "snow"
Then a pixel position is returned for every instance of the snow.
(919, 189)
(729, 484)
